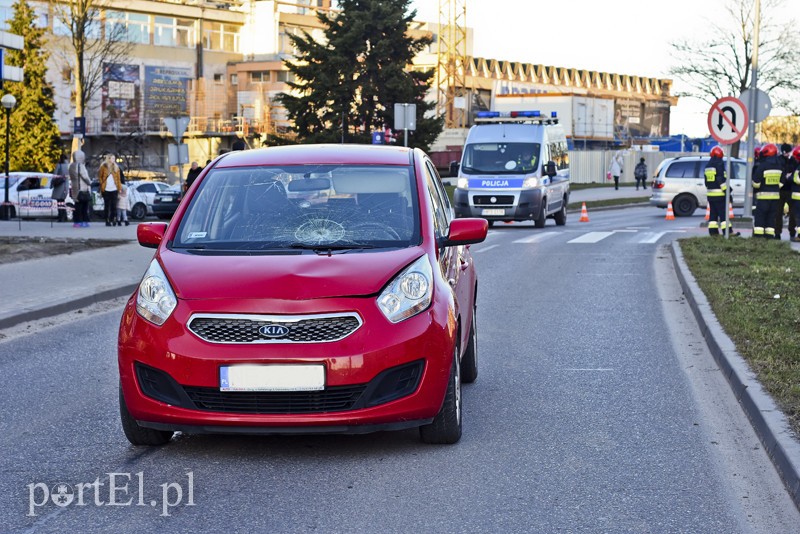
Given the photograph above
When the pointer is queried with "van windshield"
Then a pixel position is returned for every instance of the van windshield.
(500, 158)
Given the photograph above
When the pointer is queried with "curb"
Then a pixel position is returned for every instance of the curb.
(66, 305)
(768, 421)
(615, 207)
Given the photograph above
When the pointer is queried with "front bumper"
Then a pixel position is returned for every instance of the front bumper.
(526, 204)
(381, 376)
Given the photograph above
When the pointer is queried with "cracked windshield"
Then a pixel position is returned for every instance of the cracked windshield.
(302, 207)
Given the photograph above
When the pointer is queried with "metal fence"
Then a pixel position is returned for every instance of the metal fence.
(591, 166)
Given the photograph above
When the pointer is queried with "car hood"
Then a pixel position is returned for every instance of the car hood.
(286, 277)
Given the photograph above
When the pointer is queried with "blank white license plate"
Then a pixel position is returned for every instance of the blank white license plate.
(272, 377)
(489, 211)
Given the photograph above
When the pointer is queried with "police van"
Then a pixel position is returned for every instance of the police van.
(515, 167)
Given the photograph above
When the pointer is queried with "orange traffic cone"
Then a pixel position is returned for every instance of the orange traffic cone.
(730, 211)
(670, 214)
(584, 214)
(708, 212)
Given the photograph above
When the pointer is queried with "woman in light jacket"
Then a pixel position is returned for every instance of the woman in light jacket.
(110, 184)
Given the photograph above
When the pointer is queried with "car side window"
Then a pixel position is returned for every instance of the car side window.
(439, 210)
(147, 188)
(738, 170)
(445, 199)
(682, 169)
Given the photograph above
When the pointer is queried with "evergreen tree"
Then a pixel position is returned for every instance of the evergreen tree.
(346, 86)
(35, 139)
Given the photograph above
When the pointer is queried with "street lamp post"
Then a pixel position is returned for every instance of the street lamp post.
(8, 101)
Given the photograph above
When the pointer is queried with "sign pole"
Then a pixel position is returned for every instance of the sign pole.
(728, 194)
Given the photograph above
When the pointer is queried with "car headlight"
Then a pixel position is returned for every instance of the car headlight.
(462, 183)
(409, 293)
(155, 300)
(531, 181)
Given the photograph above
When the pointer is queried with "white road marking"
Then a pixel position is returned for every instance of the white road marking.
(598, 369)
(591, 237)
(652, 237)
(484, 249)
(537, 238)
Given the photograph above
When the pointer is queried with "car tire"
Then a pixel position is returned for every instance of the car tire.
(139, 435)
(138, 211)
(469, 362)
(446, 426)
(491, 223)
(561, 216)
(684, 205)
(540, 221)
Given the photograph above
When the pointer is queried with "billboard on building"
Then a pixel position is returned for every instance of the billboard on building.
(120, 97)
(639, 118)
(165, 93)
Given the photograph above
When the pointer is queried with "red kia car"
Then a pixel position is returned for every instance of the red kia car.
(304, 289)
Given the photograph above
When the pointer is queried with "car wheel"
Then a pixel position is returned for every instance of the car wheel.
(138, 435)
(139, 211)
(684, 205)
(561, 216)
(446, 426)
(540, 221)
(469, 362)
(491, 223)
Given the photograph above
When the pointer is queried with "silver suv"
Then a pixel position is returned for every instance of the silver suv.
(681, 181)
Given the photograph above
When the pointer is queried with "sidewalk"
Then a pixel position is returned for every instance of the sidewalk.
(44, 287)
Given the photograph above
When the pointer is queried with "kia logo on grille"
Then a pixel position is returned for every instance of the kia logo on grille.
(273, 330)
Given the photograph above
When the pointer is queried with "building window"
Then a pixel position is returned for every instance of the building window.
(218, 36)
(131, 27)
(284, 76)
(218, 78)
(234, 79)
(257, 76)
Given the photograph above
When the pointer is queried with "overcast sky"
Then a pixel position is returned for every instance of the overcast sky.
(621, 36)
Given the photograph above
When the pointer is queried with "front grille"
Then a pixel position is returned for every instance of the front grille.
(246, 329)
(332, 399)
(486, 200)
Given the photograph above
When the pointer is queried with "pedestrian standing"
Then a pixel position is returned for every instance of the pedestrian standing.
(81, 188)
(616, 168)
(767, 184)
(785, 202)
(716, 186)
(59, 194)
(194, 172)
(110, 184)
(640, 173)
(122, 204)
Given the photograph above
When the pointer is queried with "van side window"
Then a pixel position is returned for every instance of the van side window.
(682, 169)
(559, 154)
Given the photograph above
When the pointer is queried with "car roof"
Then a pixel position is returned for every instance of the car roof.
(317, 155)
(695, 158)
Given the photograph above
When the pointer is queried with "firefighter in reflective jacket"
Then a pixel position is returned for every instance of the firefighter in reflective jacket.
(716, 185)
(793, 183)
(767, 185)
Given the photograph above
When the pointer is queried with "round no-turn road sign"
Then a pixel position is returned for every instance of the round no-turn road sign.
(727, 120)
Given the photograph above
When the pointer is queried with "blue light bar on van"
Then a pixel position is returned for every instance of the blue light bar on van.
(536, 113)
(553, 114)
(488, 114)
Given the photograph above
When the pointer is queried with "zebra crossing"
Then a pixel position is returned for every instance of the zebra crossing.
(629, 235)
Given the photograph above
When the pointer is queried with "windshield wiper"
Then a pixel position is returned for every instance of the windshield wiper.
(327, 249)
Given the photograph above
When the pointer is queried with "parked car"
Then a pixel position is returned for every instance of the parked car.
(166, 202)
(681, 181)
(30, 195)
(304, 289)
(141, 194)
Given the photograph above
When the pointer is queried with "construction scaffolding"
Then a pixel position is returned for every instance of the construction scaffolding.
(451, 63)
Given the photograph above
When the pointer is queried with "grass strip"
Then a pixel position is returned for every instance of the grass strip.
(753, 286)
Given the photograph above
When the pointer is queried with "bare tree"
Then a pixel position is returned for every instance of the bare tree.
(94, 42)
(720, 64)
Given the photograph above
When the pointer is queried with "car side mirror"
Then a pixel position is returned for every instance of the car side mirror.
(150, 235)
(466, 232)
(550, 168)
(454, 166)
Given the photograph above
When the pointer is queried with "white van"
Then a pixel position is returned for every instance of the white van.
(515, 167)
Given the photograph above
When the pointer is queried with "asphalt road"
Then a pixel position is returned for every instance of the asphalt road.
(597, 409)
